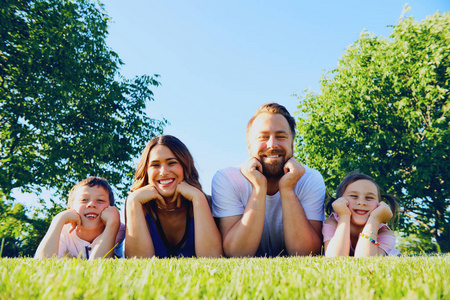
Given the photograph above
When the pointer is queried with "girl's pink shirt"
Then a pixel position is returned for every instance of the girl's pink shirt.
(387, 242)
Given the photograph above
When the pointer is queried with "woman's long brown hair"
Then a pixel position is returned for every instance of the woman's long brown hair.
(181, 153)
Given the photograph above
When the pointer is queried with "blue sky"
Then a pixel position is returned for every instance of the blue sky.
(220, 60)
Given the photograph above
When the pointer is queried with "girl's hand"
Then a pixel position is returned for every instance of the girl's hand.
(146, 194)
(186, 190)
(382, 213)
(340, 207)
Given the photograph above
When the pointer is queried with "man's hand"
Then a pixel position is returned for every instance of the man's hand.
(382, 213)
(252, 170)
(293, 171)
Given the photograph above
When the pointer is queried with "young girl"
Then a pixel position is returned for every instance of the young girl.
(356, 227)
(167, 214)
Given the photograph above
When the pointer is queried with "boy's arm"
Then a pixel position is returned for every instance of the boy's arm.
(49, 245)
(111, 217)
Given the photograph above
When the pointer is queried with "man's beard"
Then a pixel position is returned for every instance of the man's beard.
(274, 169)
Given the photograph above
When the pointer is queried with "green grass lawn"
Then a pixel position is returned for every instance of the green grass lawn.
(420, 277)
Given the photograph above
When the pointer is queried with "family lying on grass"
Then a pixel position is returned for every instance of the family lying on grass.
(269, 206)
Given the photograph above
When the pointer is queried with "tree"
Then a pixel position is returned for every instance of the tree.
(384, 111)
(65, 110)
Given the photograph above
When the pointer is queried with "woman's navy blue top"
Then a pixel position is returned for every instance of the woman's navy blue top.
(185, 248)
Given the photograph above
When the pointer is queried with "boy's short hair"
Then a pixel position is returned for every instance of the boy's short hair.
(92, 181)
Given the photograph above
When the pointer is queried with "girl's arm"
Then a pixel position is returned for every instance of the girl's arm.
(339, 245)
(138, 242)
(365, 247)
(208, 241)
(49, 245)
(111, 217)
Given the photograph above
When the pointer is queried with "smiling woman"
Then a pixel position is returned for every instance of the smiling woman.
(167, 213)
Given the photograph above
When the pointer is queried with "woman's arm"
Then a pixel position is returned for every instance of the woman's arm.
(138, 242)
(208, 242)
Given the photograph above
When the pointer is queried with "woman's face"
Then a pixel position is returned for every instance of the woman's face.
(362, 196)
(165, 172)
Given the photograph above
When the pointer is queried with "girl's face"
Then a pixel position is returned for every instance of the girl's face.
(164, 171)
(362, 196)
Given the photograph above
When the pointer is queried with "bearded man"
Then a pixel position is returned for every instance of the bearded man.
(272, 205)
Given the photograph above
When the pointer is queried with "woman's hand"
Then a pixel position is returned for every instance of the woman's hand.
(186, 190)
(382, 213)
(146, 194)
(340, 207)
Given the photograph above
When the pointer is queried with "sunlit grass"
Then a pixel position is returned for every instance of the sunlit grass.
(421, 277)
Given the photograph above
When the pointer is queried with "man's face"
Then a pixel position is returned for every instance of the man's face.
(271, 142)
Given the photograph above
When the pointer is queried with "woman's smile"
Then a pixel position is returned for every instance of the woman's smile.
(164, 170)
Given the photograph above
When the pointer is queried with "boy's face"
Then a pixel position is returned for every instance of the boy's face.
(89, 203)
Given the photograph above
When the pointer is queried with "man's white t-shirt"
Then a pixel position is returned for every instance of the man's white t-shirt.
(231, 191)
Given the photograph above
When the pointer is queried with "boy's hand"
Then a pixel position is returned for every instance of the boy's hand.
(340, 207)
(293, 171)
(110, 215)
(72, 217)
(382, 213)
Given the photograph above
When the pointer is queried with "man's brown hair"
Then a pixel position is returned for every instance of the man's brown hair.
(273, 108)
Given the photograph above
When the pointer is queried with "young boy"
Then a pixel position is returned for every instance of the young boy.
(90, 228)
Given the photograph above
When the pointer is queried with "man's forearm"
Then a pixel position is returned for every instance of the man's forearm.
(301, 236)
(244, 237)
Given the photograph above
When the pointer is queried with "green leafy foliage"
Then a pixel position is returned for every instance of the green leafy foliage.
(384, 111)
(66, 112)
